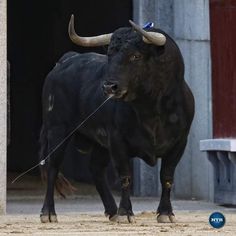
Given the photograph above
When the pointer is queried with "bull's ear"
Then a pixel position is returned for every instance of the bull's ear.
(94, 41)
(150, 37)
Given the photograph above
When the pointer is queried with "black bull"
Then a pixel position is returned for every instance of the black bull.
(149, 115)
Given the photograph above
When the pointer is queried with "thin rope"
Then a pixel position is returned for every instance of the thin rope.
(42, 162)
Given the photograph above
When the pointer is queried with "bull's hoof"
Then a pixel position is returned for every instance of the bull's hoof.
(125, 219)
(131, 219)
(113, 218)
(166, 219)
(123, 216)
(44, 219)
(48, 218)
(172, 219)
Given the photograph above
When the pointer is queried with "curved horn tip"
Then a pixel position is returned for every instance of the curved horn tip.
(131, 22)
(71, 25)
(135, 26)
(72, 17)
(94, 41)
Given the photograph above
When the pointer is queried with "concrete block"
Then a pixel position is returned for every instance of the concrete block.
(224, 165)
(224, 144)
(191, 19)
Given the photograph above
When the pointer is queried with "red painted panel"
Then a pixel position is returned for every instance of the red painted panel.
(225, 3)
(223, 50)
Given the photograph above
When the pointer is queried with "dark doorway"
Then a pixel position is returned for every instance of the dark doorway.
(37, 37)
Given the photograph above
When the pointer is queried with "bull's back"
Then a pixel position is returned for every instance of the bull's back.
(66, 83)
(74, 67)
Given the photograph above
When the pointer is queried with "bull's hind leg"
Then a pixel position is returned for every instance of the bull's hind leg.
(98, 165)
(165, 212)
(54, 136)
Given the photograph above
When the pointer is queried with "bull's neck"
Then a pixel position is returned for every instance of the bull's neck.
(146, 107)
(152, 104)
(161, 88)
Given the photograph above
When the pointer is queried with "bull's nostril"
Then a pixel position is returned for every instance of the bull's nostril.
(104, 86)
(110, 87)
(114, 87)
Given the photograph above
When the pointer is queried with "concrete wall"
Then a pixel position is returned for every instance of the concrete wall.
(191, 31)
(144, 11)
(187, 21)
(3, 95)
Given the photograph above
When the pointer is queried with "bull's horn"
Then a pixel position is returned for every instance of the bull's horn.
(150, 37)
(94, 41)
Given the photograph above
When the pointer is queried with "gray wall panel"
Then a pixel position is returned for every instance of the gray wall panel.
(191, 19)
(188, 22)
(195, 165)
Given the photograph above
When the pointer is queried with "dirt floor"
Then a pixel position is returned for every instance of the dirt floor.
(82, 214)
(189, 223)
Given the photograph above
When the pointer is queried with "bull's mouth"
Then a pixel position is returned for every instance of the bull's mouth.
(117, 95)
(121, 94)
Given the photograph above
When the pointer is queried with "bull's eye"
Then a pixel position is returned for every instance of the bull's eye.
(135, 57)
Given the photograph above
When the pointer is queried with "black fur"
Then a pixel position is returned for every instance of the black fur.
(149, 116)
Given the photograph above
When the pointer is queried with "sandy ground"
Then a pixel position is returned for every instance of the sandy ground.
(189, 223)
(82, 214)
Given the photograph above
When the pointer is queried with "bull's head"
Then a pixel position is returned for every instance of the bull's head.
(129, 57)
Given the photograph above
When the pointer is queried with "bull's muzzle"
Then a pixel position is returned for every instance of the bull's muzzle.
(110, 88)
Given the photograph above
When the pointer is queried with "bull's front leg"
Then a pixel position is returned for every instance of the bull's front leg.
(125, 212)
(122, 164)
(164, 211)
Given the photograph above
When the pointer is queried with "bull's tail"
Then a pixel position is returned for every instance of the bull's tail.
(62, 185)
